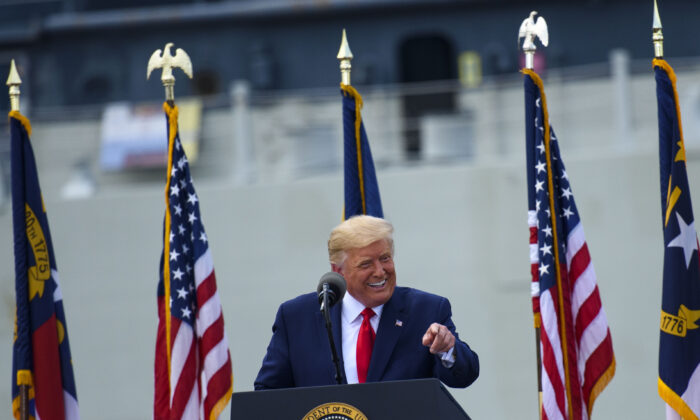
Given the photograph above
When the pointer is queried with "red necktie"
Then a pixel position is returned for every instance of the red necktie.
(365, 343)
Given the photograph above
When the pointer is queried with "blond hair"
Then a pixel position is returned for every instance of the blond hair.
(358, 232)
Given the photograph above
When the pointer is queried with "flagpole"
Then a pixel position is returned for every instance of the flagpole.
(531, 29)
(13, 82)
(165, 61)
(539, 369)
(657, 39)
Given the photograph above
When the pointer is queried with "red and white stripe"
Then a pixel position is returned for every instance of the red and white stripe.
(595, 351)
(200, 367)
(589, 345)
(215, 368)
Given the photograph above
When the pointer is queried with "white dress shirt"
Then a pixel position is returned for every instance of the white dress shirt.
(351, 320)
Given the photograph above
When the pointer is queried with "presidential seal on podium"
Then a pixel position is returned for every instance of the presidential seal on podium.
(334, 411)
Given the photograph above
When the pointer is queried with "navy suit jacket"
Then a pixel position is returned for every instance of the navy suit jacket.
(299, 352)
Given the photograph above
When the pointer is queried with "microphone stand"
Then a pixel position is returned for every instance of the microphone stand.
(339, 377)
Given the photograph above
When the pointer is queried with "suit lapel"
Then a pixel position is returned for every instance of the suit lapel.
(387, 336)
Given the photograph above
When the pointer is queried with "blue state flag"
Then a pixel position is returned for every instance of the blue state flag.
(679, 347)
(361, 188)
(41, 359)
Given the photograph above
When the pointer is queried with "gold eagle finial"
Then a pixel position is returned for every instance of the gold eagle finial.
(530, 29)
(163, 59)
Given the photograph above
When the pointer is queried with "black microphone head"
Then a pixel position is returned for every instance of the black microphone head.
(336, 287)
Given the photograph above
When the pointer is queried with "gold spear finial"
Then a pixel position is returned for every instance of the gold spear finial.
(13, 81)
(657, 35)
(345, 56)
(167, 62)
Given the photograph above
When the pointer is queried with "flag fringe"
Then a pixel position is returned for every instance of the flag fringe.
(172, 112)
(600, 385)
(675, 401)
(24, 120)
(222, 403)
(660, 62)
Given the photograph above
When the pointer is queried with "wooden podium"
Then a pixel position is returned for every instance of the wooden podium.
(406, 400)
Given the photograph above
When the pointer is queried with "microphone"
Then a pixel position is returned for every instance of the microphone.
(331, 289)
(332, 285)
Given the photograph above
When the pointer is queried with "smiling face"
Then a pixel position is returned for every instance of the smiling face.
(369, 273)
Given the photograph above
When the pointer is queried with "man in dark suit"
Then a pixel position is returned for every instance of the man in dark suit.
(384, 332)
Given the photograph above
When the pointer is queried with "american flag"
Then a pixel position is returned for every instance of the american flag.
(577, 359)
(193, 376)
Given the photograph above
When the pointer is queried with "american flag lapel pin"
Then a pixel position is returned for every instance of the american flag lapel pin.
(399, 323)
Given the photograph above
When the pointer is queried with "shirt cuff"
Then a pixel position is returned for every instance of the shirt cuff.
(447, 357)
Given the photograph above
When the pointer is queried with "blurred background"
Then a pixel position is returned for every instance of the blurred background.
(443, 110)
